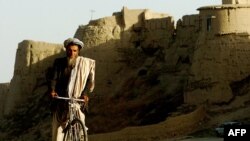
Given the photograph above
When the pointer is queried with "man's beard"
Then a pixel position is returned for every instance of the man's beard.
(71, 62)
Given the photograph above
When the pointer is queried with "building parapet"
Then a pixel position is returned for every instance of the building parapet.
(235, 1)
(227, 6)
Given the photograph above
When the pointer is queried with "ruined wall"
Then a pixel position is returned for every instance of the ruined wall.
(148, 14)
(32, 61)
(225, 19)
(184, 39)
(108, 28)
(187, 29)
(154, 34)
(145, 22)
(132, 17)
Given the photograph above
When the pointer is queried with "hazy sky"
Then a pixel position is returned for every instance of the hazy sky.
(55, 20)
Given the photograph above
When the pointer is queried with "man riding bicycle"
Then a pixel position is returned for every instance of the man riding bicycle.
(71, 76)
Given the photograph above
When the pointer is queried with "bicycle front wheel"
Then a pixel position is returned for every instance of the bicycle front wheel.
(75, 132)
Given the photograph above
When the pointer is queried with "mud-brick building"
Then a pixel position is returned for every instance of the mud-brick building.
(222, 50)
(143, 24)
(230, 17)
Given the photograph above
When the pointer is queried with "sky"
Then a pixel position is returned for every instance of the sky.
(54, 21)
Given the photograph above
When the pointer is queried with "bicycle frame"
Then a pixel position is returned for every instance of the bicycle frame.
(73, 119)
(72, 101)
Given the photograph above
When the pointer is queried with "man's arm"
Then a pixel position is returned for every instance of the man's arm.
(53, 79)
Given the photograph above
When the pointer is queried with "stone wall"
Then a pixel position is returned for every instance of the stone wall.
(32, 61)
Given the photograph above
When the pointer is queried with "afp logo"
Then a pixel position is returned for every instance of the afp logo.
(236, 132)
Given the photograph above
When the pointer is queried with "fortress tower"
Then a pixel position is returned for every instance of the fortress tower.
(221, 52)
(230, 17)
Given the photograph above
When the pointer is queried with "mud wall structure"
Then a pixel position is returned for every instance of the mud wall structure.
(32, 61)
(225, 19)
(221, 54)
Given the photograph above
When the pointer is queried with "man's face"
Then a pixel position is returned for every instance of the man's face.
(72, 51)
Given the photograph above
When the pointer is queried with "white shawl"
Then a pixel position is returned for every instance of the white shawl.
(83, 70)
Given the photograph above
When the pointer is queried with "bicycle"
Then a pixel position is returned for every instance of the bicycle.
(75, 129)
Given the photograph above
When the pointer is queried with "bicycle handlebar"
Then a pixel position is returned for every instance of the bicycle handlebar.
(67, 98)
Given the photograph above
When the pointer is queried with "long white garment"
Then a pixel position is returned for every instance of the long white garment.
(83, 71)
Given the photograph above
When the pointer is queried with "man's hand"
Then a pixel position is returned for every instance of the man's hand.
(86, 98)
(84, 107)
(53, 94)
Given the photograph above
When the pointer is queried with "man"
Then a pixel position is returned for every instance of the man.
(71, 76)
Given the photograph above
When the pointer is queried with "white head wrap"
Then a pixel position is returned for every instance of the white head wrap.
(73, 41)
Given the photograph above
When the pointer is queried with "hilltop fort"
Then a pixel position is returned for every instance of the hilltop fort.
(149, 68)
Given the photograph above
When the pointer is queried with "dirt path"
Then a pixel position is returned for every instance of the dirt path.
(172, 127)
